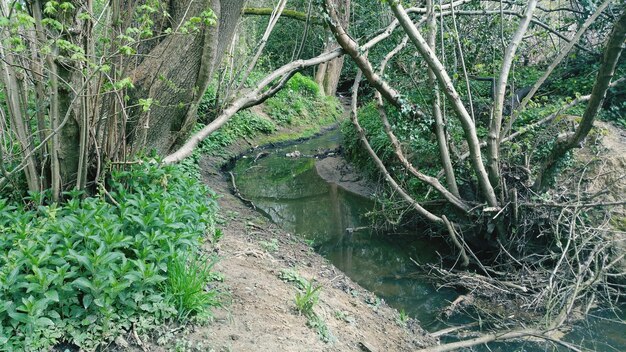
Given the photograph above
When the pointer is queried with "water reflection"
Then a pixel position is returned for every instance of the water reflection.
(292, 194)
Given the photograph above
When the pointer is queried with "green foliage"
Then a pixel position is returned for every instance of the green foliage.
(289, 275)
(303, 85)
(185, 286)
(306, 300)
(85, 271)
(370, 122)
(244, 124)
(300, 103)
(415, 136)
(402, 318)
(317, 323)
(270, 246)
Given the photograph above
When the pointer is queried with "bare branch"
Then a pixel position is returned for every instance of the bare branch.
(255, 96)
(448, 88)
(495, 125)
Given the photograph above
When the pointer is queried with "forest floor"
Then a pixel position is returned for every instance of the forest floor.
(259, 261)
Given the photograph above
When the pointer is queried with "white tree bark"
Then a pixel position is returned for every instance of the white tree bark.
(446, 83)
(493, 141)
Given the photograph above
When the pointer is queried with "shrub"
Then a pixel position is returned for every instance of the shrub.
(85, 271)
(185, 286)
(243, 124)
(300, 103)
(305, 301)
(303, 85)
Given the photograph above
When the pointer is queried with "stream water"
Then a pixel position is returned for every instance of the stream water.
(293, 195)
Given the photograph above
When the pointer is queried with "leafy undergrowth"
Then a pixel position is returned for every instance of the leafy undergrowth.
(93, 268)
(298, 104)
(301, 102)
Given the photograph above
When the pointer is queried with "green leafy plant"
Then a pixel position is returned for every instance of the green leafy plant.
(289, 275)
(85, 271)
(270, 246)
(300, 103)
(317, 323)
(403, 318)
(305, 301)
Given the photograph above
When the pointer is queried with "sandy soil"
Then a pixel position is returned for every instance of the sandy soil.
(260, 313)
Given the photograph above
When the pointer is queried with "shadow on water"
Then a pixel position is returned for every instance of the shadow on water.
(293, 195)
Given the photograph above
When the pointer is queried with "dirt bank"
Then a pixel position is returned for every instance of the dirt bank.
(259, 262)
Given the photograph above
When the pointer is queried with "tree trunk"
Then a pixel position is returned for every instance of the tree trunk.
(175, 74)
(328, 74)
(171, 71)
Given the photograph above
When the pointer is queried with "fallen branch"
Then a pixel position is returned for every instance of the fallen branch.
(237, 193)
(510, 335)
(254, 97)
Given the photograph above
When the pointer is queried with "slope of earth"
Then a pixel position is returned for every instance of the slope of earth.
(259, 262)
(600, 178)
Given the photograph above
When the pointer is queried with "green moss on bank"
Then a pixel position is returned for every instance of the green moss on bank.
(299, 110)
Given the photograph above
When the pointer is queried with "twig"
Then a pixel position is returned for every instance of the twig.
(138, 340)
(446, 331)
(237, 193)
(455, 240)
(574, 205)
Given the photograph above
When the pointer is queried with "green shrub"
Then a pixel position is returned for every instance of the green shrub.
(306, 300)
(303, 85)
(87, 270)
(300, 103)
(243, 124)
(370, 122)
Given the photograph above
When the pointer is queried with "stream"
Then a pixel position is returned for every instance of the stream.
(291, 193)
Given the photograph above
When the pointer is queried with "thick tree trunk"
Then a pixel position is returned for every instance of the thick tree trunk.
(328, 74)
(175, 74)
(171, 71)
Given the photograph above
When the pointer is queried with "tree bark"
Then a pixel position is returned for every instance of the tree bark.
(175, 74)
(328, 74)
(442, 140)
(493, 141)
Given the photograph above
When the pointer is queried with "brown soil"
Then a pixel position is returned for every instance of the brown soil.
(260, 313)
(602, 178)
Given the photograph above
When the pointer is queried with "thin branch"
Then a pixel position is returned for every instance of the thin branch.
(255, 96)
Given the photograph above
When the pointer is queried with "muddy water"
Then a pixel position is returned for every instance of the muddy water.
(292, 194)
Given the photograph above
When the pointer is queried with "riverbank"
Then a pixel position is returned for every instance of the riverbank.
(261, 265)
